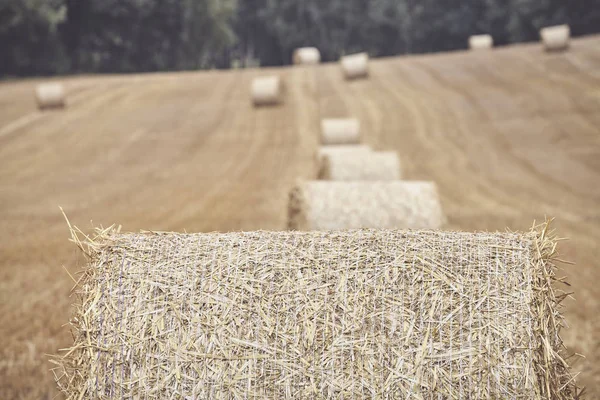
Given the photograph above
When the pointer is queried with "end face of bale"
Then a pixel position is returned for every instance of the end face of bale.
(267, 90)
(481, 42)
(340, 131)
(355, 66)
(556, 38)
(335, 205)
(319, 315)
(306, 56)
(361, 166)
(50, 95)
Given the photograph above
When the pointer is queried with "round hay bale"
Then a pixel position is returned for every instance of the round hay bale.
(481, 42)
(325, 205)
(360, 166)
(306, 56)
(355, 66)
(356, 314)
(50, 95)
(337, 149)
(267, 90)
(336, 131)
(555, 38)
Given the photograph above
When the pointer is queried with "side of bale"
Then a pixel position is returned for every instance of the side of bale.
(355, 66)
(361, 166)
(330, 205)
(50, 95)
(555, 38)
(267, 90)
(306, 56)
(289, 315)
(340, 131)
(481, 42)
(349, 150)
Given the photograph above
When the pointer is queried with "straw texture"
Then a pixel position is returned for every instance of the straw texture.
(360, 166)
(340, 131)
(481, 42)
(50, 95)
(326, 205)
(287, 315)
(355, 66)
(267, 90)
(306, 56)
(555, 38)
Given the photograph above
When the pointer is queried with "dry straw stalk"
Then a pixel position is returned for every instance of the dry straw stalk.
(330, 205)
(289, 315)
(360, 166)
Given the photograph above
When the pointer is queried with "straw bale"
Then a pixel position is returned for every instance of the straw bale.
(267, 90)
(481, 42)
(307, 56)
(361, 314)
(349, 150)
(355, 65)
(360, 166)
(50, 95)
(340, 131)
(555, 38)
(327, 205)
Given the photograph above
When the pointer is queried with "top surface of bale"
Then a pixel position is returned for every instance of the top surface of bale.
(340, 131)
(267, 90)
(307, 56)
(555, 37)
(333, 205)
(477, 42)
(287, 315)
(355, 65)
(50, 95)
(360, 166)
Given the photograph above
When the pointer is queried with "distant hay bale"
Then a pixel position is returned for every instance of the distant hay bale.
(357, 314)
(267, 90)
(355, 66)
(481, 42)
(50, 95)
(324, 151)
(306, 56)
(360, 166)
(327, 205)
(340, 131)
(555, 38)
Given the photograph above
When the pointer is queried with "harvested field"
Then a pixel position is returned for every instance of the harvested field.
(509, 136)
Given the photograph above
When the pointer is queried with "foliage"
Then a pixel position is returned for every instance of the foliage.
(70, 36)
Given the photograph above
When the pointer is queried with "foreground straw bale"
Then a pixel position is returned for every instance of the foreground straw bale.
(287, 315)
(360, 166)
(306, 56)
(50, 95)
(481, 42)
(340, 131)
(267, 90)
(555, 38)
(327, 205)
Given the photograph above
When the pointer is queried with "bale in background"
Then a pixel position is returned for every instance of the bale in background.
(325, 205)
(349, 150)
(361, 314)
(267, 90)
(50, 95)
(481, 42)
(336, 131)
(555, 38)
(360, 166)
(355, 66)
(306, 56)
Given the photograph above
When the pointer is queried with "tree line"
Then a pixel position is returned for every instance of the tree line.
(45, 37)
